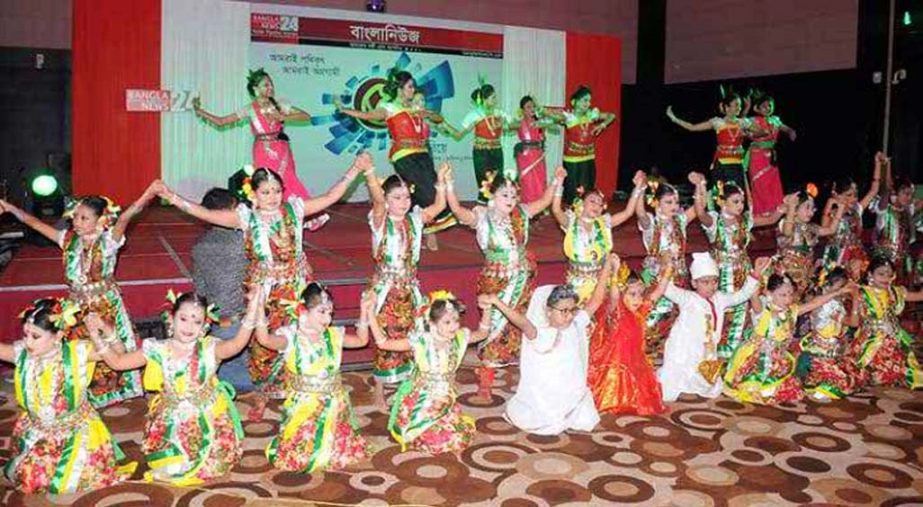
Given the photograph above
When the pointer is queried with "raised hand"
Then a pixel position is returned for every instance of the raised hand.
(362, 164)
(761, 264)
(614, 262)
(640, 179)
(197, 104)
(696, 178)
(486, 301)
(670, 114)
(368, 302)
(791, 200)
(96, 327)
(444, 172)
(560, 173)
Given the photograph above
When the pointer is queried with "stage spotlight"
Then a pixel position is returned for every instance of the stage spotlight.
(375, 5)
(46, 194)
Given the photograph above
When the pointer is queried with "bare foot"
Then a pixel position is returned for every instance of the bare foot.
(379, 399)
(317, 222)
(432, 243)
(255, 414)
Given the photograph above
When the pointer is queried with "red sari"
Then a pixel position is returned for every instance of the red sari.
(272, 151)
(765, 183)
(530, 160)
(620, 376)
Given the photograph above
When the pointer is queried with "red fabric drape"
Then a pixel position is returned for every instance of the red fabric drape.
(116, 46)
(596, 61)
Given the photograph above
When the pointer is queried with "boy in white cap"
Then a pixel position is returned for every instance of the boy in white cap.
(690, 361)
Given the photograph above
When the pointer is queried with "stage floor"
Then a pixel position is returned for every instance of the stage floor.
(157, 256)
(861, 451)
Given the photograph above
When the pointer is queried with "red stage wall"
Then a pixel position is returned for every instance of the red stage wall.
(595, 60)
(116, 46)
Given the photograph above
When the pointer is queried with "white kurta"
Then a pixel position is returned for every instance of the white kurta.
(553, 395)
(685, 347)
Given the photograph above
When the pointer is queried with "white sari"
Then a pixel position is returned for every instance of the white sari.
(553, 395)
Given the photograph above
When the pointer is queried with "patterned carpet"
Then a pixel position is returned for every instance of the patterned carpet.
(866, 450)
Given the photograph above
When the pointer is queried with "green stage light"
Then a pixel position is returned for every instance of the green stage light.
(44, 185)
(907, 19)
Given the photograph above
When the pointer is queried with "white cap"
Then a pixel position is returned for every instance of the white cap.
(703, 265)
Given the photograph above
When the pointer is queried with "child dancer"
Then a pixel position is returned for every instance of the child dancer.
(882, 349)
(895, 227)
(761, 369)
(729, 232)
(821, 366)
(502, 229)
(530, 150)
(424, 415)
(273, 239)
(730, 131)
(60, 444)
(663, 232)
(690, 359)
(760, 161)
(488, 122)
(91, 247)
(620, 376)
(318, 430)
(588, 233)
(193, 430)
(797, 238)
(553, 396)
(845, 247)
(396, 239)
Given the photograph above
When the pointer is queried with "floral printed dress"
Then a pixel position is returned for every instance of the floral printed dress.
(318, 430)
(60, 444)
(396, 252)
(823, 370)
(662, 235)
(882, 349)
(729, 242)
(275, 249)
(89, 267)
(425, 416)
(587, 251)
(193, 431)
(762, 370)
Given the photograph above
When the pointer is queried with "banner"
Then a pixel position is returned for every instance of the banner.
(315, 61)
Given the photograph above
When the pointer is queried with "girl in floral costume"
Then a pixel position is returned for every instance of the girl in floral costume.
(502, 230)
(397, 232)
(896, 225)
(882, 349)
(845, 247)
(60, 444)
(761, 369)
(273, 239)
(193, 429)
(664, 236)
(821, 366)
(91, 247)
(318, 430)
(729, 232)
(588, 233)
(424, 415)
(798, 237)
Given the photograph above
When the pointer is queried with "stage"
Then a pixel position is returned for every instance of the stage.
(156, 257)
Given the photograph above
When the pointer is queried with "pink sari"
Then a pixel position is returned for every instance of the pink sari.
(530, 160)
(273, 153)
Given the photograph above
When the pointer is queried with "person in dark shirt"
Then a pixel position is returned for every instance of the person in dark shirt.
(219, 265)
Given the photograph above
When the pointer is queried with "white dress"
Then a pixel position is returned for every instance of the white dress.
(553, 395)
(685, 347)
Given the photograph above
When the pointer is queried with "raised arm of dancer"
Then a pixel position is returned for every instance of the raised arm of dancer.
(666, 278)
(377, 196)
(644, 219)
(378, 114)
(453, 132)
(106, 347)
(483, 330)
(788, 227)
(640, 182)
(830, 229)
(692, 127)
(270, 341)
(296, 114)
(880, 161)
(381, 337)
(884, 190)
(7, 353)
(463, 214)
(32, 222)
(691, 213)
(605, 119)
(790, 132)
(224, 217)
(438, 206)
(118, 230)
(215, 120)
(598, 297)
(361, 337)
(361, 164)
(823, 299)
(255, 316)
(517, 319)
(700, 197)
(539, 205)
(557, 207)
(914, 297)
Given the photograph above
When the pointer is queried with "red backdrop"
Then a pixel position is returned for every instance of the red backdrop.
(596, 61)
(116, 46)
